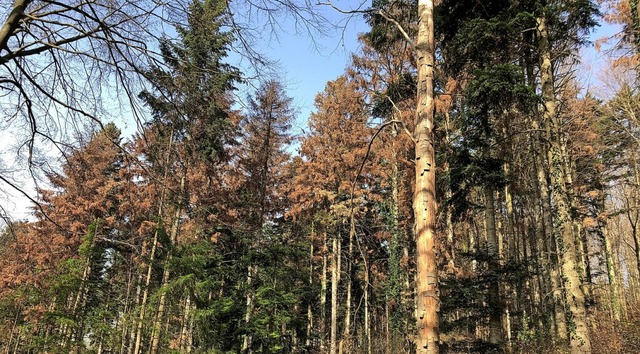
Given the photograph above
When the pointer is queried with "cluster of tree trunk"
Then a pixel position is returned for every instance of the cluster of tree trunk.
(456, 191)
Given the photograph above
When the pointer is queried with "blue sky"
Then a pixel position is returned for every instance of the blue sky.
(306, 63)
(594, 62)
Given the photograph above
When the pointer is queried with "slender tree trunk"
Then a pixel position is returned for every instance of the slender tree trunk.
(450, 246)
(424, 200)
(157, 322)
(307, 342)
(125, 311)
(77, 310)
(495, 308)
(580, 340)
(185, 331)
(17, 344)
(133, 330)
(154, 245)
(634, 210)
(396, 299)
(512, 252)
(14, 326)
(323, 294)
(367, 324)
(335, 279)
(190, 333)
(550, 258)
(346, 336)
(145, 295)
(175, 226)
(611, 273)
(252, 272)
(387, 329)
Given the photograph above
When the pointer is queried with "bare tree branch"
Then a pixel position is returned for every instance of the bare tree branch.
(378, 12)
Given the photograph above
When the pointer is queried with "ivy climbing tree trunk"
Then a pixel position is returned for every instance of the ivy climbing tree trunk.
(575, 296)
(424, 198)
(611, 273)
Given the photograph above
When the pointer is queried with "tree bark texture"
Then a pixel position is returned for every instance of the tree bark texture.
(424, 199)
(335, 279)
(495, 308)
(575, 296)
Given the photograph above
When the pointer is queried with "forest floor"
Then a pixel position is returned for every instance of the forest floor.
(607, 337)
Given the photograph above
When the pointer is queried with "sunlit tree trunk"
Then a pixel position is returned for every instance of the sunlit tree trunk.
(309, 309)
(335, 279)
(546, 232)
(185, 330)
(155, 335)
(125, 311)
(611, 273)
(134, 325)
(367, 324)
(424, 199)
(347, 312)
(633, 211)
(323, 294)
(252, 272)
(154, 245)
(512, 253)
(145, 295)
(579, 339)
(387, 328)
(495, 324)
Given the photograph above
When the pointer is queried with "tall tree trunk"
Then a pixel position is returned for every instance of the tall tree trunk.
(550, 258)
(185, 333)
(542, 205)
(367, 323)
(335, 279)
(512, 252)
(495, 308)
(611, 273)
(154, 246)
(125, 311)
(175, 226)
(387, 329)
(252, 272)
(307, 342)
(145, 295)
(633, 211)
(323, 294)
(579, 339)
(83, 291)
(138, 300)
(397, 286)
(424, 199)
(346, 336)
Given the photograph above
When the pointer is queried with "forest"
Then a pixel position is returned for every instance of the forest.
(458, 189)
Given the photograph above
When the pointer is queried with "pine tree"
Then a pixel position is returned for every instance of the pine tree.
(261, 160)
(192, 128)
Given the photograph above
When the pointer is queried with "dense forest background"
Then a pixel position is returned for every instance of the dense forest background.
(216, 229)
